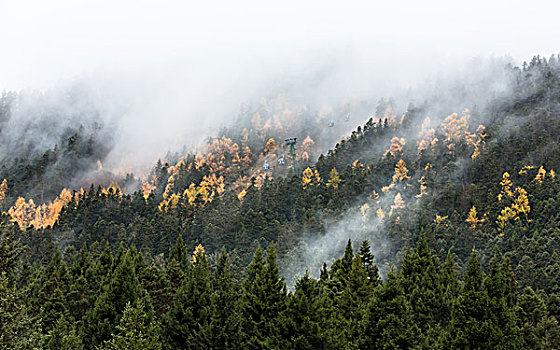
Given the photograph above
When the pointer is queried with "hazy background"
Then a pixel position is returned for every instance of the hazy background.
(192, 64)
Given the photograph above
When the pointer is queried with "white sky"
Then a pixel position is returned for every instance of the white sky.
(191, 64)
(45, 42)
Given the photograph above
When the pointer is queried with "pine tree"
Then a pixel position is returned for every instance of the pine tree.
(135, 331)
(471, 327)
(224, 331)
(301, 323)
(10, 251)
(264, 301)
(122, 287)
(388, 322)
(18, 329)
(178, 264)
(505, 331)
(450, 286)
(53, 293)
(63, 336)
(422, 285)
(368, 263)
(353, 299)
(342, 270)
(190, 312)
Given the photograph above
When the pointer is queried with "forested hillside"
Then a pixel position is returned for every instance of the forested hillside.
(434, 227)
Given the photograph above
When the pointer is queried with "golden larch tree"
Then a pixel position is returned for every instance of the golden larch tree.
(3, 193)
(334, 180)
(396, 147)
(22, 212)
(506, 187)
(401, 172)
(541, 174)
(307, 177)
(270, 146)
(198, 251)
(473, 219)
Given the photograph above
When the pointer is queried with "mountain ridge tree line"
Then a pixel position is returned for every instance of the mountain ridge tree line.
(481, 179)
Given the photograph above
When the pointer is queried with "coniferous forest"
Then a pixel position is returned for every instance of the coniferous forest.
(431, 224)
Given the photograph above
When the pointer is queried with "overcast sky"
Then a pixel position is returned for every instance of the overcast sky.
(191, 64)
(46, 42)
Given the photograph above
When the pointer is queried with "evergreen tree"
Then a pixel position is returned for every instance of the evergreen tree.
(422, 285)
(301, 322)
(135, 331)
(63, 336)
(224, 331)
(388, 321)
(18, 330)
(123, 287)
(352, 301)
(53, 293)
(264, 301)
(496, 285)
(190, 312)
(10, 251)
(471, 325)
(368, 263)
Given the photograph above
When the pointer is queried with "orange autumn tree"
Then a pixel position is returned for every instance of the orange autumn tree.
(396, 147)
(455, 129)
(541, 174)
(198, 251)
(401, 172)
(307, 148)
(27, 213)
(149, 186)
(478, 141)
(398, 204)
(22, 212)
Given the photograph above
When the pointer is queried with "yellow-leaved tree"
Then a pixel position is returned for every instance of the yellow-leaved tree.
(3, 193)
(22, 212)
(519, 206)
(334, 180)
(541, 174)
(398, 204)
(270, 146)
(473, 218)
(307, 177)
(506, 187)
(396, 147)
(401, 172)
(364, 209)
(198, 251)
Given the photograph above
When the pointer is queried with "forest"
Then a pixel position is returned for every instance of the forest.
(432, 224)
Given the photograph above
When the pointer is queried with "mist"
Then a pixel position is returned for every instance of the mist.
(169, 75)
(161, 78)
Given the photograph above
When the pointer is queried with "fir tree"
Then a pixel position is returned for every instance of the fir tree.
(123, 287)
(135, 331)
(388, 322)
(224, 331)
(368, 263)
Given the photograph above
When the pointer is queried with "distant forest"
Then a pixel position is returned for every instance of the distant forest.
(426, 228)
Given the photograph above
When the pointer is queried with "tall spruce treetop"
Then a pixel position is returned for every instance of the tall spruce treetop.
(123, 287)
(368, 263)
(10, 251)
(224, 331)
(473, 275)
